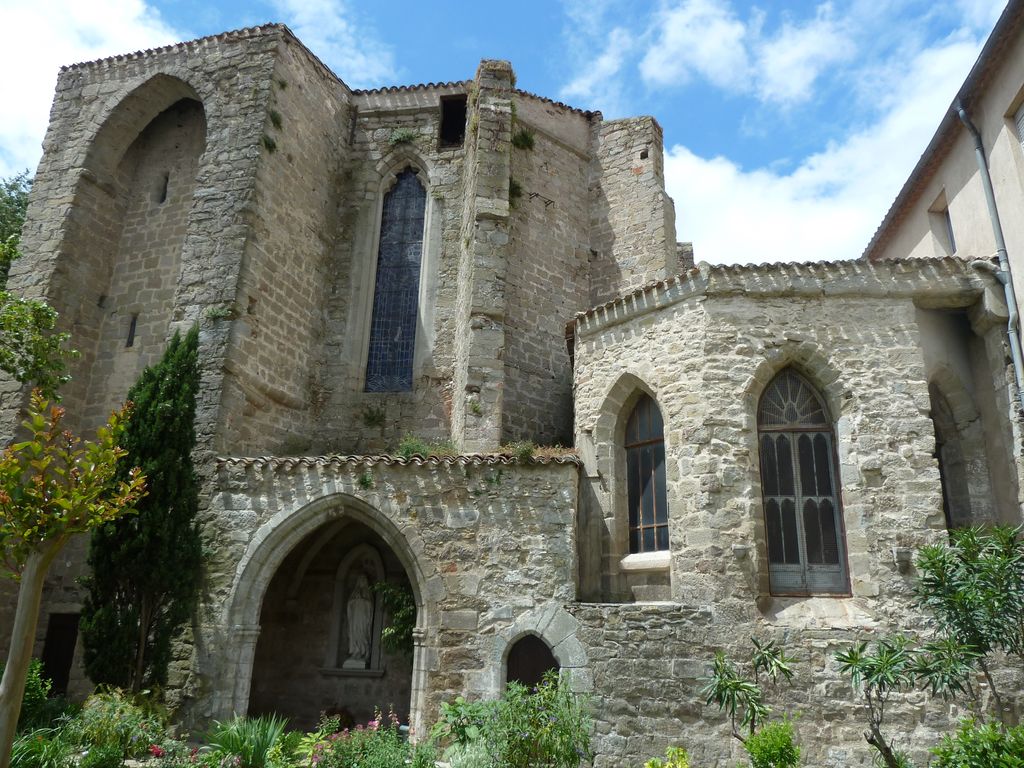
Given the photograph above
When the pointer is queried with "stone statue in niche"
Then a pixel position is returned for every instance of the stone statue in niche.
(359, 623)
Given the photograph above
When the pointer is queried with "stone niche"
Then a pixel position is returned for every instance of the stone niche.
(319, 649)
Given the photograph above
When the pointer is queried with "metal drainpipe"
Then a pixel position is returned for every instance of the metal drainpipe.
(1003, 275)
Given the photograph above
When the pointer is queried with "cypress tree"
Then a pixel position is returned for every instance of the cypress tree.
(146, 567)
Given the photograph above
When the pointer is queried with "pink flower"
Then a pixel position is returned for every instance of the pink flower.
(156, 750)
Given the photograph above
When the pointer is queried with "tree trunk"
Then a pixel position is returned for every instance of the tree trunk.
(23, 635)
(139, 668)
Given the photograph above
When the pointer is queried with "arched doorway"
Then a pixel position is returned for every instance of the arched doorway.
(529, 659)
(330, 635)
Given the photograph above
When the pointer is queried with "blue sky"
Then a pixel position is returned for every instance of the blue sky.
(789, 126)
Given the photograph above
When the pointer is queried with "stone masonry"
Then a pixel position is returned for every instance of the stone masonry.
(234, 182)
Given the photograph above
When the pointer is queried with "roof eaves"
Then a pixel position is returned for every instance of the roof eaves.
(235, 34)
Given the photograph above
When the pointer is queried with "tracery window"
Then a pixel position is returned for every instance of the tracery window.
(396, 292)
(806, 546)
(645, 472)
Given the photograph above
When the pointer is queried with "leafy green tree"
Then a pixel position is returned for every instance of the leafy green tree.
(13, 205)
(146, 568)
(52, 486)
(741, 695)
(973, 590)
(31, 350)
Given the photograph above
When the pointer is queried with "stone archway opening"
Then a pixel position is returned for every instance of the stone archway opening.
(324, 644)
(529, 659)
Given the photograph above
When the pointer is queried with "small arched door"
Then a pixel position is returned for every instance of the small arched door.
(529, 659)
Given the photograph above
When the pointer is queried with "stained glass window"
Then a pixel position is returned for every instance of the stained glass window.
(798, 481)
(645, 478)
(397, 287)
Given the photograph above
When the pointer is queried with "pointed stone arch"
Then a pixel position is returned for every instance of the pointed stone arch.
(271, 544)
(557, 628)
(618, 570)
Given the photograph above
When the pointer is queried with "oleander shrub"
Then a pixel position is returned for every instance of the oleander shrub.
(978, 745)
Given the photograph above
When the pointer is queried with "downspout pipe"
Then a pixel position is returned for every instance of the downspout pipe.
(1003, 276)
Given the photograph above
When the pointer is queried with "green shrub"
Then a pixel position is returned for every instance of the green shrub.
(548, 727)
(773, 747)
(249, 740)
(675, 757)
(41, 748)
(981, 745)
(111, 718)
(464, 722)
(378, 744)
(37, 709)
(103, 756)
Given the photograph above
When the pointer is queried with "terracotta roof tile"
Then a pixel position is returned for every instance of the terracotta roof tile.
(819, 267)
(415, 87)
(288, 463)
(235, 34)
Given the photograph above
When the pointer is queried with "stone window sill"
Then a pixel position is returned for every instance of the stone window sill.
(646, 562)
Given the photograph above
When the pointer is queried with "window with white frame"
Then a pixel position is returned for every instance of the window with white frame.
(799, 483)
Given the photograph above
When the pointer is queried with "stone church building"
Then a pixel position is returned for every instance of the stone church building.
(750, 450)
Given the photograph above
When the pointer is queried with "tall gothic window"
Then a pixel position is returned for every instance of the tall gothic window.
(806, 547)
(397, 288)
(645, 471)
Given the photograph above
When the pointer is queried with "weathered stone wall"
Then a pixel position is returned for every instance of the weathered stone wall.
(479, 385)
(485, 543)
(344, 422)
(547, 280)
(649, 663)
(154, 189)
(632, 218)
(274, 316)
(75, 221)
(705, 346)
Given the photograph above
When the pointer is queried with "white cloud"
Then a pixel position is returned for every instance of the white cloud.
(829, 206)
(598, 84)
(790, 62)
(698, 36)
(705, 38)
(45, 34)
(328, 29)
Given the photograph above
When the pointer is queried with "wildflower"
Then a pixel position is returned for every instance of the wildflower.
(156, 750)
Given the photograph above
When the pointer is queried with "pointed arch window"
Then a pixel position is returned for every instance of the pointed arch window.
(645, 472)
(799, 481)
(389, 363)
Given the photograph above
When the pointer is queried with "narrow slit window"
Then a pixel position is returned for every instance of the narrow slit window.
(453, 120)
(396, 291)
(645, 478)
(949, 230)
(803, 527)
(130, 341)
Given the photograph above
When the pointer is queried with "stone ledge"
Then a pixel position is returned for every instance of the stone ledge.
(645, 562)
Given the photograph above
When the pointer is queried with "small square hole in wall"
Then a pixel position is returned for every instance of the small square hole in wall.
(453, 120)
(643, 154)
